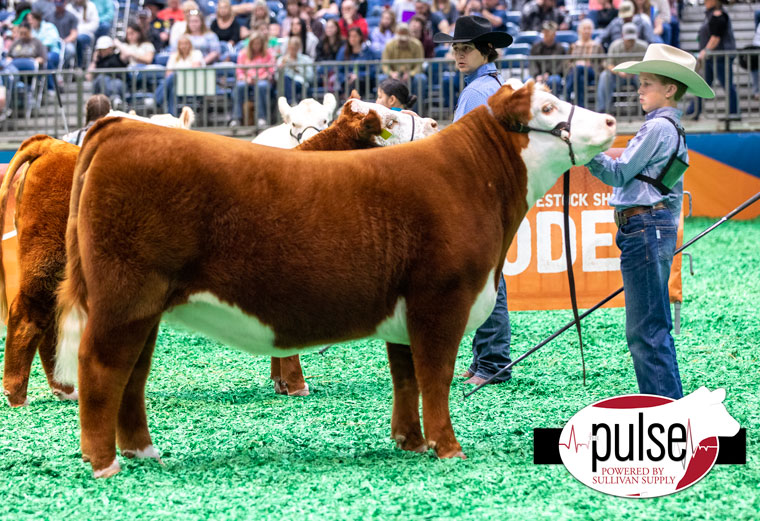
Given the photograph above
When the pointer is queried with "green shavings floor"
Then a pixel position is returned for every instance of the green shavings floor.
(234, 450)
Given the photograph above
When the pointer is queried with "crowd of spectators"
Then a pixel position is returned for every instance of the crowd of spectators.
(292, 35)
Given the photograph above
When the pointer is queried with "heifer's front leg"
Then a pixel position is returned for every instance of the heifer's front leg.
(435, 337)
(107, 357)
(24, 335)
(291, 376)
(132, 434)
(405, 421)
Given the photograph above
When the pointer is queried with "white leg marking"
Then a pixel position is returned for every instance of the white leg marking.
(67, 355)
(149, 452)
(72, 396)
(109, 471)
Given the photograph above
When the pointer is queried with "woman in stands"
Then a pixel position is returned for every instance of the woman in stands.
(417, 29)
(331, 42)
(582, 72)
(137, 50)
(253, 81)
(384, 31)
(474, 47)
(227, 28)
(203, 39)
(309, 42)
(358, 77)
(185, 57)
(261, 14)
(395, 95)
(297, 78)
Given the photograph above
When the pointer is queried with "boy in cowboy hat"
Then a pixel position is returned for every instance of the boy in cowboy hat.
(474, 47)
(648, 189)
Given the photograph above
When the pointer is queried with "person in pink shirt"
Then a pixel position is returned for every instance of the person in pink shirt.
(254, 81)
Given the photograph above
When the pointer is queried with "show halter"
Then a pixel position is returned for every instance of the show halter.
(299, 136)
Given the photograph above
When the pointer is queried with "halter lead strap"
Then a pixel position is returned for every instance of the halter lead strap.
(299, 136)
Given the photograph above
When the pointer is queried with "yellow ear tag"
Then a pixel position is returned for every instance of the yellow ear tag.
(385, 134)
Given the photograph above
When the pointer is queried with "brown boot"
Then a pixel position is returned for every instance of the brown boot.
(467, 374)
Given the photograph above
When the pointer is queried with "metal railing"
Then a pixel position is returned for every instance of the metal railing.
(218, 95)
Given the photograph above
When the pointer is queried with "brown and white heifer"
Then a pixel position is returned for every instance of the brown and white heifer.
(270, 250)
(41, 213)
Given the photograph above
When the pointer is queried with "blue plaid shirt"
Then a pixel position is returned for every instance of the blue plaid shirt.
(647, 153)
(478, 88)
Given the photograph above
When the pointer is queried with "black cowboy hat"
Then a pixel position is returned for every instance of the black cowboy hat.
(474, 29)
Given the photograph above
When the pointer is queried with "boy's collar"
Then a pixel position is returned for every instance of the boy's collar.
(664, 111)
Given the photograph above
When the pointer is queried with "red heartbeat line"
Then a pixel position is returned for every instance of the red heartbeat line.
(574, 442)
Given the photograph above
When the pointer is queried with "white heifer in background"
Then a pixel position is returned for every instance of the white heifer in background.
(299, 123)
(185, 119)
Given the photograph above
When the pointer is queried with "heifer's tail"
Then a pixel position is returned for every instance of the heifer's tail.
(72, 293)
(30, 150)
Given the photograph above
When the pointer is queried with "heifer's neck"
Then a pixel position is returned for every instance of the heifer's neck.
(546, 159)
(337, 136)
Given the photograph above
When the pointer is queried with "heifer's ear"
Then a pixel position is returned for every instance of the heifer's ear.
(371, 126)
(187, 117)
(330, 103)
(513, 106)
(282, 103)
(354, 95)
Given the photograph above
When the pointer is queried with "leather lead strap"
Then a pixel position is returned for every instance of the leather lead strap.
(569, 260)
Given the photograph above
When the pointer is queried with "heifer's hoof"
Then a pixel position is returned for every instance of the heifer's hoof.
(149, 452)
(299, 392)
(16, 400)
(412, 443)
(280, 387)
(62, 395)
(109, 471)
(444, 453)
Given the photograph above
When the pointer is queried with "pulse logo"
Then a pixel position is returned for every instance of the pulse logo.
(641, 445)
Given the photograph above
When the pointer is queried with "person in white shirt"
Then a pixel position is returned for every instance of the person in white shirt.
(87, 15)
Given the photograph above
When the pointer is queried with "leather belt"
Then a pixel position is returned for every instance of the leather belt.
(622, 216)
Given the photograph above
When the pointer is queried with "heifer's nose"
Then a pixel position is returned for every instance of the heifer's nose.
(610, 121)
(434, 124)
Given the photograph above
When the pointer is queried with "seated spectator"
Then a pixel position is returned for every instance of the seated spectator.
(444, 14)
(404, 46)
(254, 82)
(536, 12)
(602, 12)
(292, 11)
(106, 14)
(754, 65)
(46, 7)
(403, 9)
(48, 35)
(418, 30)
(395, 95)
(611, 80)
(173, 13)
(472, 8)
(137, 51)
(203, 39)
(331, 42)
(326, 7)
(227, 28)
(351, 18)
(97, 106)
(581, 72)
(422, 10)
(307, 15)
(179, 27)
(297, 78)
(360, 77)
(614, 31)
(309, 42)
(383, 33)
(495, 11)
(548, 72)
(66, 23)
(655, 14)
(153, 28)
(26, 50)
(185, 57)
(260, 13)
(88, 22)
(106, 57)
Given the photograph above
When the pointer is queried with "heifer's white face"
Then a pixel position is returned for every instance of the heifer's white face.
(308, 117)
(398, 127)
(547, 157)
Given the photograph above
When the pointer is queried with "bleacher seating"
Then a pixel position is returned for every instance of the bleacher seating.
(529, 37)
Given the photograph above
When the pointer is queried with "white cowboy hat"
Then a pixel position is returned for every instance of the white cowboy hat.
(671, 62)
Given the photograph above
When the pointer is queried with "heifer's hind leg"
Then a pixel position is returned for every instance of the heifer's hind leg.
(435, 337)
(25, 331)
(405, 422)
(287, 375)
(132, 434)
(47, 356)
(107, 356)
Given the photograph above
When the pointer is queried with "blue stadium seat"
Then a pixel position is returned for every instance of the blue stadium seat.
(567, 36)
(528, 37)
(596, 33)
(275, 5)
(518, 48)
(514, 17)
(373, 21)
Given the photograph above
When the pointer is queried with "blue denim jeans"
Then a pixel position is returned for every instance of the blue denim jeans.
(578, 80)
(490, 347)
(647, 243)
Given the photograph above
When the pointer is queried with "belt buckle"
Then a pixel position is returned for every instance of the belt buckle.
(620, 219)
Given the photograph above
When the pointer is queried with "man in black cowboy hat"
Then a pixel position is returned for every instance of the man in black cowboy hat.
(474, 47)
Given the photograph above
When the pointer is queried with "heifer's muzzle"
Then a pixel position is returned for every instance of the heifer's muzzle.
(298, 137)
(563, 126)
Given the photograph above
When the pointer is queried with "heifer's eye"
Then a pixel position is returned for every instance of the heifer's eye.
(546, 109)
